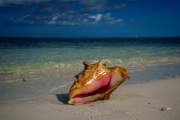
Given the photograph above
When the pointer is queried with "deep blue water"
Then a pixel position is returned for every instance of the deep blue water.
(7, 43)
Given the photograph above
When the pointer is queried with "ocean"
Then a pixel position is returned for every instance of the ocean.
(40, 66)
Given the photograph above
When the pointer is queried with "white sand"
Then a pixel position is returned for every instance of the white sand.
(129, 102)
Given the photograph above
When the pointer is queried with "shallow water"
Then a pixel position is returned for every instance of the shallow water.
(32, 67)
(20, 55)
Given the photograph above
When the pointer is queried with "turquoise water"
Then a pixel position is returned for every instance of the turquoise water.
(26, 56)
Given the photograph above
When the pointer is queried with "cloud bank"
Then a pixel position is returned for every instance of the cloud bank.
(60, 12)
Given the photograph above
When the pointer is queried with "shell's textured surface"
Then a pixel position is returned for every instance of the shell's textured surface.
(95, 82)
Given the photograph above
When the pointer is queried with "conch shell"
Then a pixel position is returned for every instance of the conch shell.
(95, 82)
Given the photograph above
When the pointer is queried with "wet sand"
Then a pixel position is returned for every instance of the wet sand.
(156, 100)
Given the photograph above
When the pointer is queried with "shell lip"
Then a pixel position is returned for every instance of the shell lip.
(95, 95)
(100, 89)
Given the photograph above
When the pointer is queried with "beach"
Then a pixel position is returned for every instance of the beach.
(37, 73)
(157, 100)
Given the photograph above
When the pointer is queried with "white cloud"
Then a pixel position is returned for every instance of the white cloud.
(18, 2)
(21, 2)
(55, 18)
(62, 12)
(96, 17)
(69, 18)
(108, 19)
(118, 21)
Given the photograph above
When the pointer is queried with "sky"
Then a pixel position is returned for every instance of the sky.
(90, 18)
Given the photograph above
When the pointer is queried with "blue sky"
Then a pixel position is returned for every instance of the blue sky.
(90, 18)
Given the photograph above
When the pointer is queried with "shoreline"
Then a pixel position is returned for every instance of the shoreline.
(53, 82)
(144, 101)
(13, 77)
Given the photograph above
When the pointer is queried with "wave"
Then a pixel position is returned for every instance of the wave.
(77, 64)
